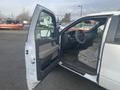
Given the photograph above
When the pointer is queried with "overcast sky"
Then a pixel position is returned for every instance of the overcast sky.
(59, 7)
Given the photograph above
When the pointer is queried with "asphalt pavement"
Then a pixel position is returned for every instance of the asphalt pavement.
(12, 68)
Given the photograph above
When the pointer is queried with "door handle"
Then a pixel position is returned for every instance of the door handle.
(33, 61)
(26, 52)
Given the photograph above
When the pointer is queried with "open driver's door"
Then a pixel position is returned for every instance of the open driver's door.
(41, 48)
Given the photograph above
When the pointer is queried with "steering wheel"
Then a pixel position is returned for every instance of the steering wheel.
(80, 37)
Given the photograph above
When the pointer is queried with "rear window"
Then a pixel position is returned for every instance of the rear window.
(0, 22)
(117, 35)
(10, 22)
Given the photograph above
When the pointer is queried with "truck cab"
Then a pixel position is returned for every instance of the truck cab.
(88, 47)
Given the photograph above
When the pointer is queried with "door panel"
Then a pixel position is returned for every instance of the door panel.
(41, 49)
(46, 50)
(110, 65)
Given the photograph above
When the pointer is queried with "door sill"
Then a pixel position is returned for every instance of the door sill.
(85, 75)
(60, 63)
(82, 69)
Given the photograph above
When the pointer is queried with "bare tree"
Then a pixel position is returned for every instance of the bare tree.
(24, 16)
(67, 17)
(1, 15)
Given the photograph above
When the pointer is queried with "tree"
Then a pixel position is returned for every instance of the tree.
(24, 16)
(1, 15)
(67, 17)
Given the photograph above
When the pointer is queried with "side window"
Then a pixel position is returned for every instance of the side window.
(117, 35)
(45, 26)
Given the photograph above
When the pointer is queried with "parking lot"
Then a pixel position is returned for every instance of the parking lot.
(12, 68)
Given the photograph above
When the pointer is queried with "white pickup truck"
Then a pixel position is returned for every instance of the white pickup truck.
(89, 47)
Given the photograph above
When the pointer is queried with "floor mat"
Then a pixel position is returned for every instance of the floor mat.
(71, 59)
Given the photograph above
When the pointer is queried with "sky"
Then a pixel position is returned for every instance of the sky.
(59, 7)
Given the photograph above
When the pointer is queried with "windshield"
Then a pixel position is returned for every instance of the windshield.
(85, 25)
